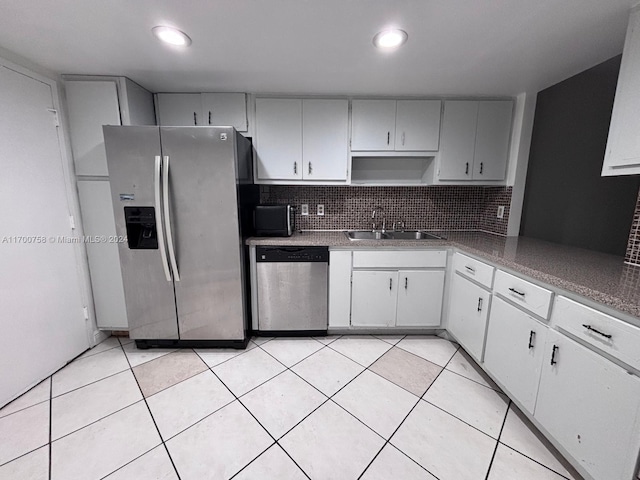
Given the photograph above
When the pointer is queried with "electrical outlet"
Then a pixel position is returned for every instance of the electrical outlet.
(320, 209)
(304, 209)
(500, 211)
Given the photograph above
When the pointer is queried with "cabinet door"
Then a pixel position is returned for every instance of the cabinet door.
(514, 351)
(493, 133)
(468, 315)
(419, 298)
(225, 109)
(180, 109)
(279, 138)
(622, 155)
(91, 105)
(325, 139)
(458, 140)
(591, 407)
(373, 125)
(104, 259)
(373, 298)
(417, 125)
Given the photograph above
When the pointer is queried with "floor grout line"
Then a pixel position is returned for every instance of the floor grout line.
(532, 459)
(420, 398)
(504, 420)
(151, 414)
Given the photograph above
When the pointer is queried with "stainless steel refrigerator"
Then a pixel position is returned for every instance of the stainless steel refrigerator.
(182, 198)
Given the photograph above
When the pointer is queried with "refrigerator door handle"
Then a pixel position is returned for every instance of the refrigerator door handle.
(159, 226)
(167, 217)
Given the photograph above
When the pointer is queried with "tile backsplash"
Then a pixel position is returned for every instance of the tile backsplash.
(432, 208)
(633, 247)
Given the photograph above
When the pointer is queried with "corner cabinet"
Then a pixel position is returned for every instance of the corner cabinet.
(395, 125)
(622, 155)
(302, 140)
(475, 140)
(470, 299)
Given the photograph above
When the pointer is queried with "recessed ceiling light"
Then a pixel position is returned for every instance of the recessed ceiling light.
(390, 38)
(172, 36)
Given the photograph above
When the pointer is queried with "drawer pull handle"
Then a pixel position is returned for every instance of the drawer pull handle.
(531, 337)
(589, 327)
(553, 354)
(469, 269)
(516, 292)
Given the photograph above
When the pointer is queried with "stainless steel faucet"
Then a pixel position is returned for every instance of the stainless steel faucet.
(373, 216)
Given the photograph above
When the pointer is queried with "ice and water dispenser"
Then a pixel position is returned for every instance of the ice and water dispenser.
(141, 228)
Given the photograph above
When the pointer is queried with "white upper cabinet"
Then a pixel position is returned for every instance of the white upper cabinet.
(458, 140)
(302, 139)
(395, 125)
(279, 138)
(373, 125)
(325, 139)
(180, 109)
(475, 140)
(203, 109)
(417, 125)
(91, 105)
(96, 101)
(622, 155)
(227, 109)
(492, 140)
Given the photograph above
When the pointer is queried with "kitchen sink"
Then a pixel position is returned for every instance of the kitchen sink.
(366, 235)
(378, 235)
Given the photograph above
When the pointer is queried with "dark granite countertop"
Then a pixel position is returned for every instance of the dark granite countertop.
(599, 277)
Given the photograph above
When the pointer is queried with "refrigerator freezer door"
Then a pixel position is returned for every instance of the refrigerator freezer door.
(203, 203)
(150, 299)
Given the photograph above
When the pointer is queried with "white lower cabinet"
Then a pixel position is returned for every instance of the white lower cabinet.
(514, 351)
(468, 314)
(591, 407)
(374, 296)
(402, 288)
(419, 298)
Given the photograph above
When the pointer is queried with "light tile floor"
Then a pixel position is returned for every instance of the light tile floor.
(351, 407)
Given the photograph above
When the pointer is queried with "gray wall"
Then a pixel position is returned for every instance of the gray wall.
(566, 200)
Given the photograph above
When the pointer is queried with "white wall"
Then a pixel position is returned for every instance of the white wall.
(519, 156)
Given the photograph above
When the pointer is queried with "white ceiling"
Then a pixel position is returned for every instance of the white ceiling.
(455, 47)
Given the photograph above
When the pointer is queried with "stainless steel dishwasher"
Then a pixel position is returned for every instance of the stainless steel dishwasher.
(292, 289)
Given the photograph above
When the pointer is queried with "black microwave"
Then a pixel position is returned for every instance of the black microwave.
(274, 220)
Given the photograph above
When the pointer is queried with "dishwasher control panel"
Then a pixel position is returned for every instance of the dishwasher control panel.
(292, 254)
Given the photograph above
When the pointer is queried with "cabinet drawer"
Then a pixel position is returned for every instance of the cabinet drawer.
(613, 336)
(400, 259)
(478, 271)
(525, 294)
